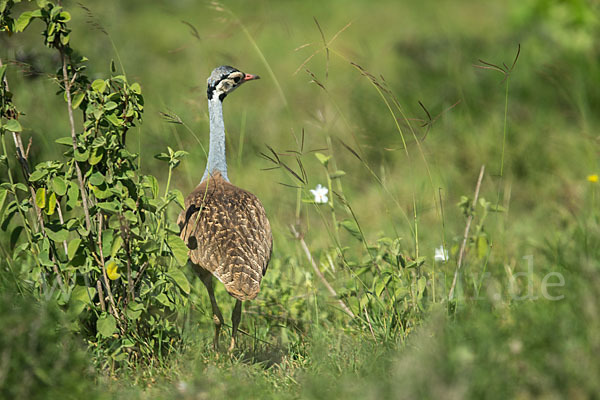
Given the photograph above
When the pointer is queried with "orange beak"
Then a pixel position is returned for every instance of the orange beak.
(249, 77)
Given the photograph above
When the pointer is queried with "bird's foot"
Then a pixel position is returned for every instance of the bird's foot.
(231, 345)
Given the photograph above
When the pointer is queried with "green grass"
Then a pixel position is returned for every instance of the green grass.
(536, 137)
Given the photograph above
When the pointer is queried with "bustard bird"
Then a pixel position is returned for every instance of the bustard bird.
(225, 227)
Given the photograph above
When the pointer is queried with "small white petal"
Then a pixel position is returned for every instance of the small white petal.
(441, 254)
(320, 194)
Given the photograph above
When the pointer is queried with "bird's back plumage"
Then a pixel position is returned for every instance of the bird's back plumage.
(228, 234)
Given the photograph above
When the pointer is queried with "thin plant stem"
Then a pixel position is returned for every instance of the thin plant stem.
(67, 84)
(62, 222)
(126, 239)
(111, 299)
(331, 205)
(168, 181)
(101, 295)
(504, 130)
(463, 245)
(312, 262)
(298, 204)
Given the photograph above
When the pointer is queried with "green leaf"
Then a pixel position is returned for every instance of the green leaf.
(130, 203)
(179, 154)
(162, 157)
(482, 247)
(172, 227)
(3, 193)
(111, 206)
(23, 21)
(37, 175)
(113, 119)
(381, 284)
(134, 310)
(40, 197)
(67, 141)
(73, 247)
(19, 249)
(136, 88)
(77, 100)
(416, 263)
(20, 186)
(351, 226)
(72, 195)
(179, 277)
(176, 195)
(150, 246)
(45, 259)
(64, 16)
(179, 198)
(421, 284)
(96, 179)
(14, 235)
(178, 248)
(80, 297)
(152, 183)
(56, 232)
(108, 237)
(59, 186)
(106, 325)
(99, 85)
(323, 159)
(111, 105)
(8, 214)
(82, 156)
(84, 294)
(130, 216)
(116, 246)
(13, 126)
(51, 204)
(102, 194)
(96, 156)
(163, 299)
(364, 301)
(337, 174)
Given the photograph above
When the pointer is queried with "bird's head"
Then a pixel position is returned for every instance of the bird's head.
(224, 80)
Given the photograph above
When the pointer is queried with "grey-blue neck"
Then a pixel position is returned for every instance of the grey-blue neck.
(216, 149)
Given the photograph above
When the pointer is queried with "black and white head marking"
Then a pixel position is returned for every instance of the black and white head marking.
(224, 80)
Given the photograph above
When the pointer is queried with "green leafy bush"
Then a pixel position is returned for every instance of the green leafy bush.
(90, 231)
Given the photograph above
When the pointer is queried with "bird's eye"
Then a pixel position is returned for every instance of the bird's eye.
(236, 78)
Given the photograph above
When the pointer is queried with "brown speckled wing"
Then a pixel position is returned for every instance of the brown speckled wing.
(228, 234)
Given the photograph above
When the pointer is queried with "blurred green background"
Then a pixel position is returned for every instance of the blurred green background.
(425, 51)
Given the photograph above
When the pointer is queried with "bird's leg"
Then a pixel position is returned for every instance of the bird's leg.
(236, 316)
(206, 278)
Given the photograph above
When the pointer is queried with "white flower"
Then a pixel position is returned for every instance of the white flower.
(441, 254)
(320, 194)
